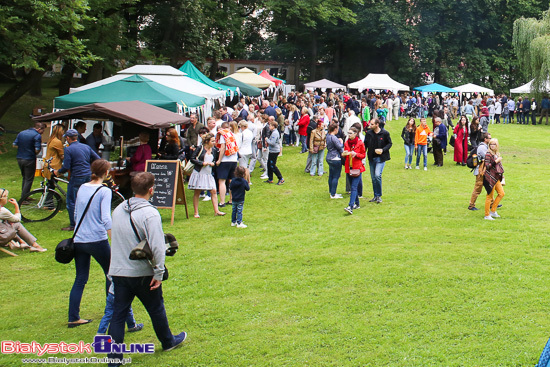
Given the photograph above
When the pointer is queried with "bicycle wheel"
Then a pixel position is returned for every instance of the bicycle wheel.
(116, 199)
(40, 205)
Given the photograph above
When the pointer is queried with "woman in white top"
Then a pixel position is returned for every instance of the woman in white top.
(23, 239)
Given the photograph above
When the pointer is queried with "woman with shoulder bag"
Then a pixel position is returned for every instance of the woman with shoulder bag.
(354, 151)
(493, 179)
(92, 235)
(201, 179)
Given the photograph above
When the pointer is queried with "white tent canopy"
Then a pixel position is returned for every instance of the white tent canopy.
(247, 76)
(162, 74)
(324, 84)
(378, 82)
(473, 88)
(526, 88)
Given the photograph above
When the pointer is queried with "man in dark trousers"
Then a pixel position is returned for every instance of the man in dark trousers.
(134, 220)
(28, 143)
(378, 144)
(78, 158)
(440, 141)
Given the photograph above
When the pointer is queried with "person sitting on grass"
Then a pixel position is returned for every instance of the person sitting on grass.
(24, 239)
(238, 186)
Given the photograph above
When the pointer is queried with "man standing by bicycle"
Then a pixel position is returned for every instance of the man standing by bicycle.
(28, 144)
(78, 158)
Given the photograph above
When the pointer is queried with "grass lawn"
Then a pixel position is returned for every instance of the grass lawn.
(415, 281)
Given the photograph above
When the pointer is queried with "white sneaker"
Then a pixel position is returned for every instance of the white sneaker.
(489, 218)
(336, 196)
(417, 167)
(494, 215)
(233, 224)
(241, 225)
(425, 168)
(202, 195)
(207, 198)
(406, 167)
(263, 177)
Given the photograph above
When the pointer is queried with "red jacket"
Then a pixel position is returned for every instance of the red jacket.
(302, 125)
(357, 161)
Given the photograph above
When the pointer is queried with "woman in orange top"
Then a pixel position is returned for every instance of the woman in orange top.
(421, 142)
(354, 151)
(56, 153)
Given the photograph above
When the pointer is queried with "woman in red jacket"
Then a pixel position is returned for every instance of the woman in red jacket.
(461, 141)
(302, 128)
(354, 151)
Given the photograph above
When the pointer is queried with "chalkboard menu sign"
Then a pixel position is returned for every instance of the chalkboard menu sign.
(168, 184)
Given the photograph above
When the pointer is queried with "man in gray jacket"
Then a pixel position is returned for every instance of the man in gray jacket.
(141, 278)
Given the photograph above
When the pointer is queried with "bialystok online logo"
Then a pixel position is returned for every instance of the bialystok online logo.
(101, 344)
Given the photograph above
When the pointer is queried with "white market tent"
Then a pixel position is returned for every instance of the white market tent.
(247, 76)
(169, 77)
(378, 82)
(473, 88)
(526, 88)
(324, 84)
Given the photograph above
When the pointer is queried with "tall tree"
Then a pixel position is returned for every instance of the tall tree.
(35, 34)
(532, 44)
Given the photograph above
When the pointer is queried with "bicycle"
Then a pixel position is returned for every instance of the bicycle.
(44, 203)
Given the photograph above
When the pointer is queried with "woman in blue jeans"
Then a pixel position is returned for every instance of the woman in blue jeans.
(91, 235)
(335, 147)
(408, 139)
(354, 153)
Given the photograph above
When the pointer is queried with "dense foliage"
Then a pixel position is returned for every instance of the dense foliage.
(449, 42)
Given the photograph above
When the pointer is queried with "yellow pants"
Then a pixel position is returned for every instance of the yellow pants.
(489, 198)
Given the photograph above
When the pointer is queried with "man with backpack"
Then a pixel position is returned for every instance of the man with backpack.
(479, 169)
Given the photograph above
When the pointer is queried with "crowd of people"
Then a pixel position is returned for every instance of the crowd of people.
(224, 152)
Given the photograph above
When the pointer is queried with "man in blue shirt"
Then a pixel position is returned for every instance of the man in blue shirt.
(95, 139)
(544, 107)
(270, 111)
(28, 143)
(78, 158)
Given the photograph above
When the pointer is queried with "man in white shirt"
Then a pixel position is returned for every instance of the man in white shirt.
(245, 148)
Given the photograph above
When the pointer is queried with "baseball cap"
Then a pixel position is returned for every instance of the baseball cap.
(71, 133)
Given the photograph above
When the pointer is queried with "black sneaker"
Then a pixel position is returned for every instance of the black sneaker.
(373, 200)
(355, 206)
(138, 327)
(221, 205)
(178, 339)
(348, 209)
(281, 181)
(378, 200)
(472, 208)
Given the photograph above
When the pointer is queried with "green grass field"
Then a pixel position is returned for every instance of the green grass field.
(415, 281)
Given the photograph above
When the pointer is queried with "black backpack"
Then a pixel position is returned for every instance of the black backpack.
(472, 160)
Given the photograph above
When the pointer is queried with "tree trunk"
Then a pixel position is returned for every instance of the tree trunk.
(36, 87)
(66, 79)
(297, 74)
(18, 90)
(214, 68)
(313, 68)
(95, 73)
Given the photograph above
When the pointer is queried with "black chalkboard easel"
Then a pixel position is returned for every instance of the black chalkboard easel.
(169, 190)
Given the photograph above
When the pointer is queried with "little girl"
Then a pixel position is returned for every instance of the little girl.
(286, 133)
(238, 186)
